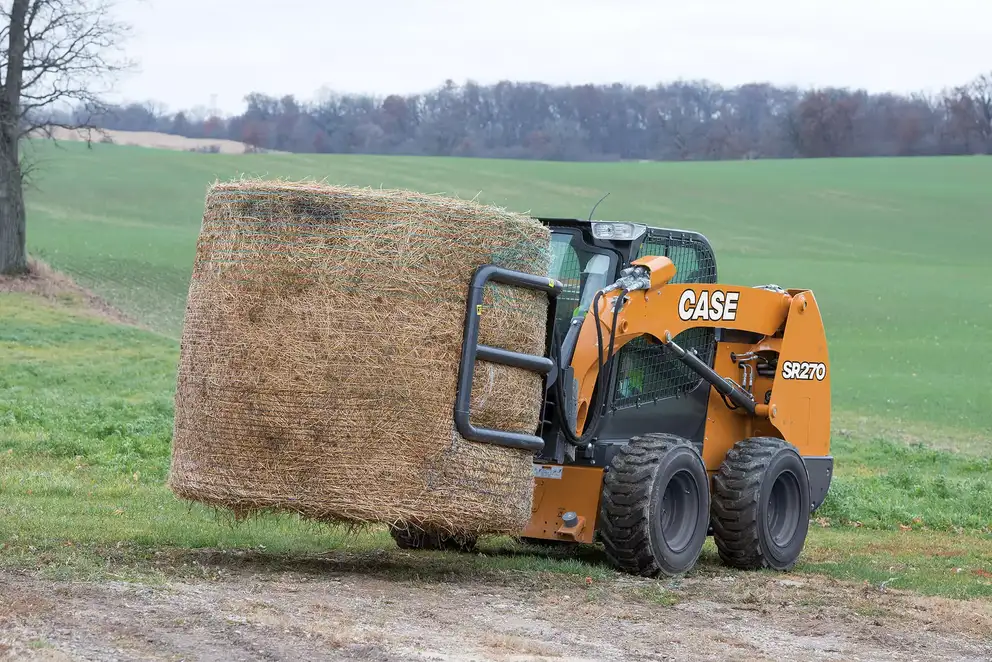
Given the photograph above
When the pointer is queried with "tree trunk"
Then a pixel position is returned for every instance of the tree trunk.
(13, 255)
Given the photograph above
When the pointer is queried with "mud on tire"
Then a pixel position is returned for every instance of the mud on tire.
(761, 505)
(654, 512)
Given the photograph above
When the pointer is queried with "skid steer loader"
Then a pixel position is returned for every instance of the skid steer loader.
(676, 407)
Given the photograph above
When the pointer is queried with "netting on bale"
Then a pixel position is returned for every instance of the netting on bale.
(320, 352)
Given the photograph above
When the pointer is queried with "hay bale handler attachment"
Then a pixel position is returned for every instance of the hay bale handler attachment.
(676, 407)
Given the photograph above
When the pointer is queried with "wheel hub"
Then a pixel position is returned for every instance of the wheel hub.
(678, 507)
(783, 500)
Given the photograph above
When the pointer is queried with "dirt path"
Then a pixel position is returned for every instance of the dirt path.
(252, 613)
(152, 139)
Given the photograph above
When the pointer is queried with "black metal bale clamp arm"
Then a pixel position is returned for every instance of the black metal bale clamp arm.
(472, 351)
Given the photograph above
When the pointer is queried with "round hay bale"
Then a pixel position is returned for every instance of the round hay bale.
(320, 354)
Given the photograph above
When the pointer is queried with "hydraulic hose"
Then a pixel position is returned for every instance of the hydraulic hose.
(603, 378)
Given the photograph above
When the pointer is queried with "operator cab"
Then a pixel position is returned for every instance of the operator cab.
(652, 391)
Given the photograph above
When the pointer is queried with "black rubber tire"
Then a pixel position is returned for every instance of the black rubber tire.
(638, 536)
(761, 505)
(414, 538)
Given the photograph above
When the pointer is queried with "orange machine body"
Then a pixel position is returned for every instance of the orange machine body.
(792, 403)
(556, 485)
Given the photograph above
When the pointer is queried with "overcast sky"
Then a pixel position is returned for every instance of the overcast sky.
(191, 52)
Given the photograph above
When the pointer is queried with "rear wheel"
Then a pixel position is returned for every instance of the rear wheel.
(761, 505)
(414, 538)
(655, 507)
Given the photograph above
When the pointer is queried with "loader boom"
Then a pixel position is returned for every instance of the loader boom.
(788, 323)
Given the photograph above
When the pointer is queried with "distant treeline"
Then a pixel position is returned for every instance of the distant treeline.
(676, 121)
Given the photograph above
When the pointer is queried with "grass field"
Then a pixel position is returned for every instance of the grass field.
(895, 251)
(84, 451)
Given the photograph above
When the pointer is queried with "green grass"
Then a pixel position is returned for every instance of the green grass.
(896, 250)
(957, 565)
(85, 424)
(887, 485)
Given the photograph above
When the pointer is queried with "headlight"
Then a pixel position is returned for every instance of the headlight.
(618, 231)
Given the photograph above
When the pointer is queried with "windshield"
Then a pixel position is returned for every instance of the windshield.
(581, 271)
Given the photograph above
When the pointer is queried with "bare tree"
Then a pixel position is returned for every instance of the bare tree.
(54, 55)
(981, 94)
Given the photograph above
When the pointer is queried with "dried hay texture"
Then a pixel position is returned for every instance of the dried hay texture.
(320, 355)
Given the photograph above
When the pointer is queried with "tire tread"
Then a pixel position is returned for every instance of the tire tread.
(624, 527)
(736, 501)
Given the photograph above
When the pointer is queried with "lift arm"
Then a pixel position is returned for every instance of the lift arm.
(643, 303)
(650, 307)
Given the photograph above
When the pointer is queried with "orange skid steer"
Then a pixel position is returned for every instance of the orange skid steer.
(676, 407)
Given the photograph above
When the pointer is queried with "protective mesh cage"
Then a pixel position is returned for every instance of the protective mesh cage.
(568, 270)
(647, 372)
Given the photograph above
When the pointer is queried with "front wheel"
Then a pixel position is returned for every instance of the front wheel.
(761, 505)
(655, 508)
